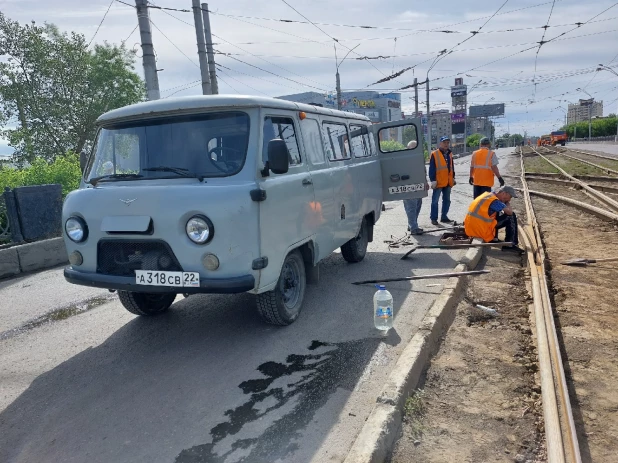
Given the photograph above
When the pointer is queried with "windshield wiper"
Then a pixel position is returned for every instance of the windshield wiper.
(95, 180)
(176, 170)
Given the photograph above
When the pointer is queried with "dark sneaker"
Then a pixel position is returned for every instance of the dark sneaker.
(435, 222)
(417, 231)
(446, 220)
(514, 249)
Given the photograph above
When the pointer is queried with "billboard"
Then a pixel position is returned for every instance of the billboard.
(487, 110)
(459, 90)
(459, 127)
(458, 117)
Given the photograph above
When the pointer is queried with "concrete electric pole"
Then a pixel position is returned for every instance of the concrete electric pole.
(209, 50)
(415, 97)
(428, 118)
(201, 48)
(148, 56)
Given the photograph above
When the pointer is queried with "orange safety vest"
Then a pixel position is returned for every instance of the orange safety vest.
(444, 176)
(481, 165)
(478, 223)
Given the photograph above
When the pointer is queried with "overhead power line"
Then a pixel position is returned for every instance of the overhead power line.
(101, 23)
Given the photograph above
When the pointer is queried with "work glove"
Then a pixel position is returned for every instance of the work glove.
(501, 180)
(471, 181)
(434, 184)
(454, 182)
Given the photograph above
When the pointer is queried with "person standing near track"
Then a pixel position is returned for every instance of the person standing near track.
(413, 206)
(483, 166)
(442, 178)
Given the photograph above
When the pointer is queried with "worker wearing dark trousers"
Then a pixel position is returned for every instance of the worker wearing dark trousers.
(483, 167)
(442, 178)
(490, 212)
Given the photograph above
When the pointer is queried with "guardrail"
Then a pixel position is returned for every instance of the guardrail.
(610, 140)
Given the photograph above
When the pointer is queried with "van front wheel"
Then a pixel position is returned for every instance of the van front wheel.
(282, 305)
(354, 250)
(146, 303)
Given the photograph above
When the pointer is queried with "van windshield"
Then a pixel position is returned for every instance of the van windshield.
(205, 145)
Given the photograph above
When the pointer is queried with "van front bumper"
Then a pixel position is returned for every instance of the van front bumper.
(233, 285)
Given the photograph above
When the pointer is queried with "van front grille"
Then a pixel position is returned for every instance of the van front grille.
(123, 257)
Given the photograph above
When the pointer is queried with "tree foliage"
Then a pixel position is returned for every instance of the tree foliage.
(473, 140)
(52, 88)
(388, 146)
(605, 127)
(63, 170)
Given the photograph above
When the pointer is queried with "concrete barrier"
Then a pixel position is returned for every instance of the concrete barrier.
(32, 256)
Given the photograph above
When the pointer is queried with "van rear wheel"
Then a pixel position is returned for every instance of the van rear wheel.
(146, 304)
(282, 305)
(354, 250)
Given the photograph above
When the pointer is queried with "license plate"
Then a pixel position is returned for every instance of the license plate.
(156, 278)
(406, 188)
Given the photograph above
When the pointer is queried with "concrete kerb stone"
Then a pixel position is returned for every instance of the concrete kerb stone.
(32, 256)
(9, 263)
(375, 440)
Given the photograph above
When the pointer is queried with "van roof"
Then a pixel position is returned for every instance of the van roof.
(192, 104)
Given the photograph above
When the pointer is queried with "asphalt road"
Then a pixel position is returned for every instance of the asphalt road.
(606, 148)
(84, 380)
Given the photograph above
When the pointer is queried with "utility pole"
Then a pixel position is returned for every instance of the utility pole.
(338, 84)
(428, 118)
(148, 57)
(212, 70)
(201, 48)
(415, 97)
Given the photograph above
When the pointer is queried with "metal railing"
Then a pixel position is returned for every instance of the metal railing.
(609, 139)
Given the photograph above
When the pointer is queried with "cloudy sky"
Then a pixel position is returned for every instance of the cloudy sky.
(263, 55)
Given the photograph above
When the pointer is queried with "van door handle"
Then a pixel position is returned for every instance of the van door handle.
(307, 182)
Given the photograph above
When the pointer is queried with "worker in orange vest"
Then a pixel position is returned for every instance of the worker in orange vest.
(442, 178)
(490, 212)
(483, 166)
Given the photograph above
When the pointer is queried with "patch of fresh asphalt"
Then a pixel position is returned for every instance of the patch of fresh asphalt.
(208, 381)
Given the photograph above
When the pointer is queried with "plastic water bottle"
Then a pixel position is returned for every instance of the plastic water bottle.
(383, 309)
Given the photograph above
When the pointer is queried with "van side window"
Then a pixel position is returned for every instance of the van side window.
(360, 141)
(281, 127)
(337, 144)
(314, 149)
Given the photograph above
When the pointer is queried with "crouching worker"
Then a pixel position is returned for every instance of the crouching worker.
(490, 212)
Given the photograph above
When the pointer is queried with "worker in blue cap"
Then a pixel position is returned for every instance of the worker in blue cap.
(442, 178)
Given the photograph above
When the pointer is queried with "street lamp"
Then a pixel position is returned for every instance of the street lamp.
(602, 67)
(589, 113)
(338, 81)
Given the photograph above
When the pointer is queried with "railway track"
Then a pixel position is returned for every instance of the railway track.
(561, 435)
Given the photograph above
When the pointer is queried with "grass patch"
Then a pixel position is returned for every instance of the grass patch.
(538, 165)
(413, 412)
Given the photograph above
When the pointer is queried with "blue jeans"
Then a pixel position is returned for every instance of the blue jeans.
(446, 202)
(413, 209)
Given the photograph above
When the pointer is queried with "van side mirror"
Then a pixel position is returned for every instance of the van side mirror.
(83, 160)
(278, 157)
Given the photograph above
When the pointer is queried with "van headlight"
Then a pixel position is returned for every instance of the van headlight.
(200, 229)
(76, 229)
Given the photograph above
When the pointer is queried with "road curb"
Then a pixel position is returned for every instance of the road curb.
(374, 442)
(32, 256)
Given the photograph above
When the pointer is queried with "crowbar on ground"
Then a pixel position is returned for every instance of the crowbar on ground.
(585, 262)
(456, 246)
(423, 277)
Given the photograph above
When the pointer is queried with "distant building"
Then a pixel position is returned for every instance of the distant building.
(579, 112)
(378, 107)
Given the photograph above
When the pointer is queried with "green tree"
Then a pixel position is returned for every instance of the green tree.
(409, 134)
(473, 140)
(605, 127)
(388, 146)
(52, 88)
